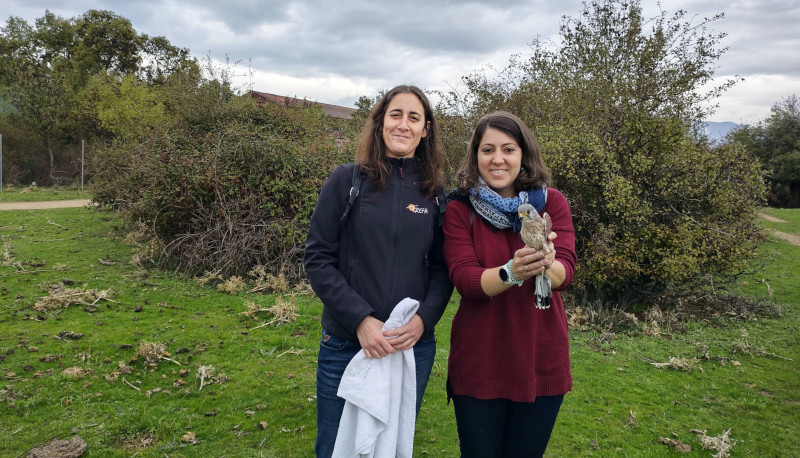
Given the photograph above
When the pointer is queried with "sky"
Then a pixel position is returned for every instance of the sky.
(336, 51)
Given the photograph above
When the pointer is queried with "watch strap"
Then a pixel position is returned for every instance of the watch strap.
(510, 279)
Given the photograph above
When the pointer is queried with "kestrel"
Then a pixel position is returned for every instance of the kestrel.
(535, 231)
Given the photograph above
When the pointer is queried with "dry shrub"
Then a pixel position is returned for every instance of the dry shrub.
(602, 342)
(594, 315)
(744, 346)
(62, 297)
(234, 285)
(208, 375)
(722, 443)
(304, 288)
(138, 235)
(277, 284)
(709, 304)
(149, 254)
(253, 309)
(746, 309)
(657, 322)
(208, 278)
(77, 372)
(632, 422)
(136, 443)
(267, 282)
(284, 311)
(259, 273)
(578, 318)
(6, 260)
(151, 351)
(203, 373)
(682, 364)
(651, 324)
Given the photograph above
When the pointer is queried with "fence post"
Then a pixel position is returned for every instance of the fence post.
(81, 165)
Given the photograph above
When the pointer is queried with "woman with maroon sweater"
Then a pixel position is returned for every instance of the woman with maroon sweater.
(509, 365)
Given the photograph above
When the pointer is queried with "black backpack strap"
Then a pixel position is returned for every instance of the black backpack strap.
(441, 201)
(355, 187)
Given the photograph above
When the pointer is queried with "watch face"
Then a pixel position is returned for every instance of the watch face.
(503, 274)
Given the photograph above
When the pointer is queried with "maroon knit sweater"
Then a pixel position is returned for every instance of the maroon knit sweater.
(503, 346)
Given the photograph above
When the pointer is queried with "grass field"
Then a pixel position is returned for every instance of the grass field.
(83, 369)
(35, 194)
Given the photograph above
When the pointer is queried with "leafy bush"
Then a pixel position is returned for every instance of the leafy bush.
(617, 109)
(229, 197)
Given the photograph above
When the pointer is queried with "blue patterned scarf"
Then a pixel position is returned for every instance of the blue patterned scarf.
(501, 212)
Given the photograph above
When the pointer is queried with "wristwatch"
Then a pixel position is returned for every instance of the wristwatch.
(507, 275)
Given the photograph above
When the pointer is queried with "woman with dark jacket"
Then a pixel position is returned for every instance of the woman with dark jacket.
(389, 247)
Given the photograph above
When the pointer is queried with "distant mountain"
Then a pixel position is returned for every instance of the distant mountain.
(717, 130)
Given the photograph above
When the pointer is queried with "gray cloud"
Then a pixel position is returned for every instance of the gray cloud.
(373, 44)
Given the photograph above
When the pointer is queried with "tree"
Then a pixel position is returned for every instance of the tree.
(127, 108)
(776, 143)
(45, 75)
(36, 81)
(105, 42)
(617, 106)
(161, 60)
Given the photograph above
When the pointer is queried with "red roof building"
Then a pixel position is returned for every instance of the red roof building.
(335, 111)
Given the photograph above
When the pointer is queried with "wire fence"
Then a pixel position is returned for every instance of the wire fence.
(21, 165)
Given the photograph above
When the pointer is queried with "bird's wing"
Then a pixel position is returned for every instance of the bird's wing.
(548, 226)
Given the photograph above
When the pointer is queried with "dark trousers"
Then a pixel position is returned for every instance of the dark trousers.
(495, 428)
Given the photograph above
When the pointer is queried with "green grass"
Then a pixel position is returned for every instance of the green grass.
(790, 216)
(37, 194)
(620, 405)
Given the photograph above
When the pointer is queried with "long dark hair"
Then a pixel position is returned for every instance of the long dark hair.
(371, 150)
(535, 174)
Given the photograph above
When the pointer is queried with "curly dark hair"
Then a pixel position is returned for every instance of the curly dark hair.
(371, 150)
(535, 174)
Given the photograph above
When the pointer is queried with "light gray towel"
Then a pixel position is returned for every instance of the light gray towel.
(380, 400)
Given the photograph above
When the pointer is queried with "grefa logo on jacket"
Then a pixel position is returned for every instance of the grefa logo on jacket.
(415, 209)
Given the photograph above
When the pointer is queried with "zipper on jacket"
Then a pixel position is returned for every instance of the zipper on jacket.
(396, 217)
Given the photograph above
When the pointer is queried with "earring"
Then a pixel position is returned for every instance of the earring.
(522, 169)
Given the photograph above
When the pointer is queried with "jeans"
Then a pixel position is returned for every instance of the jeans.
(334, 355)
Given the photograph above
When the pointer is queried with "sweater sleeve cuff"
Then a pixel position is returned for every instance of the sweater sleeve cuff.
(473, 282)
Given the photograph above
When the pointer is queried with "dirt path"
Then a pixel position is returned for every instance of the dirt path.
(43, 205)
(791, 238)
(772, 218)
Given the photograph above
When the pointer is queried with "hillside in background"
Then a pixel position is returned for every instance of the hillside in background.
(717, 130)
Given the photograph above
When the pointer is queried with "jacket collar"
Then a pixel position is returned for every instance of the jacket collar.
(409, 165)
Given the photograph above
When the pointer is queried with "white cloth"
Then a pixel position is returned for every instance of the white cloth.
(380, 400)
